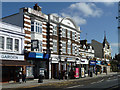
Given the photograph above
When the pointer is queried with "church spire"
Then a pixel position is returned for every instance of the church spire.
(104, 35)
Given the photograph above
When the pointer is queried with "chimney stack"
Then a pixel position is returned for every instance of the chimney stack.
(36, 7)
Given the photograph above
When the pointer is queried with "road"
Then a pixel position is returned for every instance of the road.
(101, 83)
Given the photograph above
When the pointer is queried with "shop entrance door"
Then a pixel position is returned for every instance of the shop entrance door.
(55, 70)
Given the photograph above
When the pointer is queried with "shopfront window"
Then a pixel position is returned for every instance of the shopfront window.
(9, 43)
(1, 42)
(29, 71)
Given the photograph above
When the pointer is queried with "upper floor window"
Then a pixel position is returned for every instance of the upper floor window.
(76, 36)
(77, 50)
(64, 47)
(32, 26)
(40, 46)
(16, 45)
(54, 45)
(69, 47)
(73, 49)
(36, 27)
(9, 43)
(73, 35)
(68, 34)
(1, 42)
(63, 32)
(54, 30)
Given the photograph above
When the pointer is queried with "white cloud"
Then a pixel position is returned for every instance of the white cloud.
(80, 11)
(87, 9)
(115, 44)
(78, 20)
(108, 3)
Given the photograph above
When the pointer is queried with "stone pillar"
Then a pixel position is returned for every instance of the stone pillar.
(50, 70)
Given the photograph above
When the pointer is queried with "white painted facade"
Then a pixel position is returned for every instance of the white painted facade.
(14, 33)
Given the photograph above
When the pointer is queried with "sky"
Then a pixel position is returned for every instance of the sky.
(93, 17)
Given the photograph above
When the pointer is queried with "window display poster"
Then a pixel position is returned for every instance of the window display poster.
(82, 72)
(29, 71)
(76, 73)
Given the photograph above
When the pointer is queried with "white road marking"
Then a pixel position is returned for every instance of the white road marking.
(93, 82)
(75, 86)
(100, 81)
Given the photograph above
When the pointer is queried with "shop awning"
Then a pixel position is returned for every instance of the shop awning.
(35, 55)
(14, 63)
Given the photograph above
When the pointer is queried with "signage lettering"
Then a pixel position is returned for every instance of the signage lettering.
(9, 57)
(37, 13)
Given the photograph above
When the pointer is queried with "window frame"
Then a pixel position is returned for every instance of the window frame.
(73, 49)
(68, 34)
(2, 43)
(63, 32)
(69, 47)
(73, 35)
(55, 30)
(54, 45)
(63, 47)
(10, 43)
(16, 45)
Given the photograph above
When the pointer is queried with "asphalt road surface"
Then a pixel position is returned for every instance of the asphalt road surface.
(111, 82)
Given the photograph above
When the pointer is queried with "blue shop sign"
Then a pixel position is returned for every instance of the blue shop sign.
(92, 63)
(98, 63)
(35, 55)
(46, 56)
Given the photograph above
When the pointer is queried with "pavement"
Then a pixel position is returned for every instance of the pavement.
(34, 83)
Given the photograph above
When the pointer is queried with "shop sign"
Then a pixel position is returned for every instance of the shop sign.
(84, 61)
(76, 73)
(37, 13)
(98, 63)
(35, 55)
(11, 57)
(93, 63)
(35, 44)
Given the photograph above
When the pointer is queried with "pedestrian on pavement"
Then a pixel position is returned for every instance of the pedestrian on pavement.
(20, 77)
(59, 75)
(66, 75)
(96, 71)
(63, 74)
(24, 78)
(106, 71)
